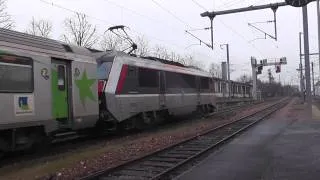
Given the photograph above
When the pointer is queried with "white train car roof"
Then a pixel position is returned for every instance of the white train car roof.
(18, 41)
(152, 64)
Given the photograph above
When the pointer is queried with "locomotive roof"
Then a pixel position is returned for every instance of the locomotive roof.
(156, 63)
(30, 40)
(146, 62)
(24, 41)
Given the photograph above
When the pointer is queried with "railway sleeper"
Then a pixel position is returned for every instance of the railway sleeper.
(119, 177)
(144, 168)
(166, 159)
(184, 151)
(194, 145)
(158, 164)
(188, 149)
(199, 144)
(170, 155)
(129, 172)
(201, 141)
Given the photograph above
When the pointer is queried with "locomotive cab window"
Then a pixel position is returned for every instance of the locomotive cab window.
(104, 70)
(16, 74)
(132, 71)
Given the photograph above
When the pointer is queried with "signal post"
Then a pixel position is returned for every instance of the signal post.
(257, 69)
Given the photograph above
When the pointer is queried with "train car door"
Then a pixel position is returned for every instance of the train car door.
(60, 82)
(162, 83)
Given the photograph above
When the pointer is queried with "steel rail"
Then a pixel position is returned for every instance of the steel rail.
(160, 164)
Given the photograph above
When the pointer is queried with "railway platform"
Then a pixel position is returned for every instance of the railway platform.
(285, 146)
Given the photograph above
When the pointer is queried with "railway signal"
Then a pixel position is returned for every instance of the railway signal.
(283, 60)
(260, 67)
(257, 69)
(295, 3)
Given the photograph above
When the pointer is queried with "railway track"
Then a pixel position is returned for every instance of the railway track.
(162, 164)
(64, 146)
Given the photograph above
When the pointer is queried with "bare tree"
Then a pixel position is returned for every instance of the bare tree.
(189, 60)
(111, 42)
(5, 19)
(80, 31)
(161, 52)
(215, 70)
(244, 78)
(40, 28)
(177, 58)
(143, 46)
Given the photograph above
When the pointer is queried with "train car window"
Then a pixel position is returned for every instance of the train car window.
(198, 83)
(16, 74)
(248, 90)
(204, 82)
(189, 81)
(223, 87)
(61, 77)
(104, 70)
(213, 86)
(172, 80)
(162, 82)
(148, 77)
(232, 88)
(178, 80)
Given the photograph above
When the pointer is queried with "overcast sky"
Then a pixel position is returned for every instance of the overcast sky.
(164, 22)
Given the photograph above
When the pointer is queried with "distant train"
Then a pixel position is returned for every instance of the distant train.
(50, 89)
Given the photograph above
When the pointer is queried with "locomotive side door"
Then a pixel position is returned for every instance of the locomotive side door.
(162, 89)
(60, 83)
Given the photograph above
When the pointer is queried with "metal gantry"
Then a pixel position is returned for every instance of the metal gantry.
(213, 14)
(295, 3)
(258, 67)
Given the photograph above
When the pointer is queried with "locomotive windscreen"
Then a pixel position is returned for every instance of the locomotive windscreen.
(104, 69)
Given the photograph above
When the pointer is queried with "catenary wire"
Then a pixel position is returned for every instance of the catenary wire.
(171, 13)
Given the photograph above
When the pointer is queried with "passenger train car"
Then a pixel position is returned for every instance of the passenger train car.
(50, 89)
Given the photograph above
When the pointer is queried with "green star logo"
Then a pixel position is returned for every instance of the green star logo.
(84, 84)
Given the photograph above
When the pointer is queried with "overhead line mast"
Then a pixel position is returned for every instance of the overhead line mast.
(294, 3)
(213, 14)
